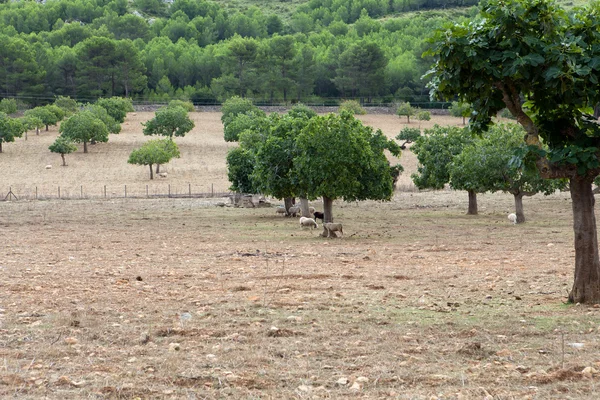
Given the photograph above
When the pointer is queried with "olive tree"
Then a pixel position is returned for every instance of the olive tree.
(405, 109)
(435, 150)
(62, 146)
(533, 50)
(84, 127)
(157, 151)
(10, 128)
(408, 135)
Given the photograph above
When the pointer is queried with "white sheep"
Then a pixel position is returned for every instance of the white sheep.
(512, 218)
(308, 222)
(280, 210)
(293, 211)
(331, 228)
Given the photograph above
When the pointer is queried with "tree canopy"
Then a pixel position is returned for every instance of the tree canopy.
(157, 151)
(84, 127)
(10, 128)
(169, 121)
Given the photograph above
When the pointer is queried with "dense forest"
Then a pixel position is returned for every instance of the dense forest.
(317, 51)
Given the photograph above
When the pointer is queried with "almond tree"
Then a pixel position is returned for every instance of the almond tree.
(533, 50)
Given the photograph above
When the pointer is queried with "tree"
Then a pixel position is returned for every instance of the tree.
(339, 157)
(405, 109)
(236, 105)
(116, 107)
(169, 121)
(84, 127)
(493, 163)
(62, 146)
(67, 104)
(435, 151)
(43, 114)
(10, 128)
(423, 115)
(31, 122)
(352, 106)
(186, 105)
(157, 151)
(8, 106)
(409, 135)
(460, 110)
(533, 50)
(100, 112)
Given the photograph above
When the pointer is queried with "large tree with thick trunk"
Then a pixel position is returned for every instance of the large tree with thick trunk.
(340, 158)
(542, 63)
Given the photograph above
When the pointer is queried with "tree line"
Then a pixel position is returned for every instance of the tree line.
(195, 50)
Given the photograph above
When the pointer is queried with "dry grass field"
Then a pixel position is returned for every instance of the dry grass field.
(125, 298)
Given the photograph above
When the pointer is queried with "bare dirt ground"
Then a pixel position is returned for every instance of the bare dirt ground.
(179, 299)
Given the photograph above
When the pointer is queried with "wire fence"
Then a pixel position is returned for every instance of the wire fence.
(113, 192)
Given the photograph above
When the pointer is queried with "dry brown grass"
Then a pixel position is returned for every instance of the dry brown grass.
(417, 301)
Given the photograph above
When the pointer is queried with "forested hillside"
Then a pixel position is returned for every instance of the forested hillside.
(316, 51)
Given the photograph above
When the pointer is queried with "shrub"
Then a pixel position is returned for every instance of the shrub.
(353, 107)
(186, 105)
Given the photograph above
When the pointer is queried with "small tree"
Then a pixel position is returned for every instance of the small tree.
(8, 106)
(169, 121)
(409, 135)
(102, 114)
(459, 109)
(83, 127)
(45, 115)
(62, 146)
(353, 107)
(58, 112)
(236, 105)
(423, 115)
(116, 107)
(10, 128)
(435, 150)
(405, 109)
(157, 151)
(31, 122)
(495, 163)
(67, 104)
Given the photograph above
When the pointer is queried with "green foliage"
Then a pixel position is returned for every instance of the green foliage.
(169, 121)
(336, 160)
(58, 112)
(102, 114)
(242, 122)
(43, 114)
(353, 107)
(236, 105)
(405, 109)
(459, 109)
(409, 135)
(84, 127)
(423, 115)
(157, 151)
(488, 164)
(62, 146)
(435, 151)
(10, 128)
(240, 165)
(8, 106)
(67, 104)
(186, 105)
(505, 113)
(116, 107)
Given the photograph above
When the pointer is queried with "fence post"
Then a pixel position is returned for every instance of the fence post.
(59, 192)
(81, 191)
(212, 190)
(190, 189)
(147, 191)
(104, 191)
(169, 190)
(36, 193)
(125, 191)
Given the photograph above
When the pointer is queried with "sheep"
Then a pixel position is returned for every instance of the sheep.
(319, 215)
(162, 174)
(512, 218)
(280, 210)
(330, 227)
(308, 222)
(293, 211)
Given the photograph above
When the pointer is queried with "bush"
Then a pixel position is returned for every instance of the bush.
(117, 107)
(186, 105)
(8, 106)
(424, 115)
(353, 107)
(67, 104)
(236, 105)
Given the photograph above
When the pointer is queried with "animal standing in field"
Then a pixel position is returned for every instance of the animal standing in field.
(319, 215)
(512, 218)
(308, 222)
(280, 210)
(293, 211)
(331, 228)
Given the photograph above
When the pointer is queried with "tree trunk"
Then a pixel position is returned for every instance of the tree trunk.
(586, 288)
(64, 161)
(464, 121)
(519, 208)
(157, 168)
(304, 207)
(328, 213)
(85, 147)
(472, 203)
(46, 128)
(0, 146)
(37, 130)
(288, 202)
(151, 176)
